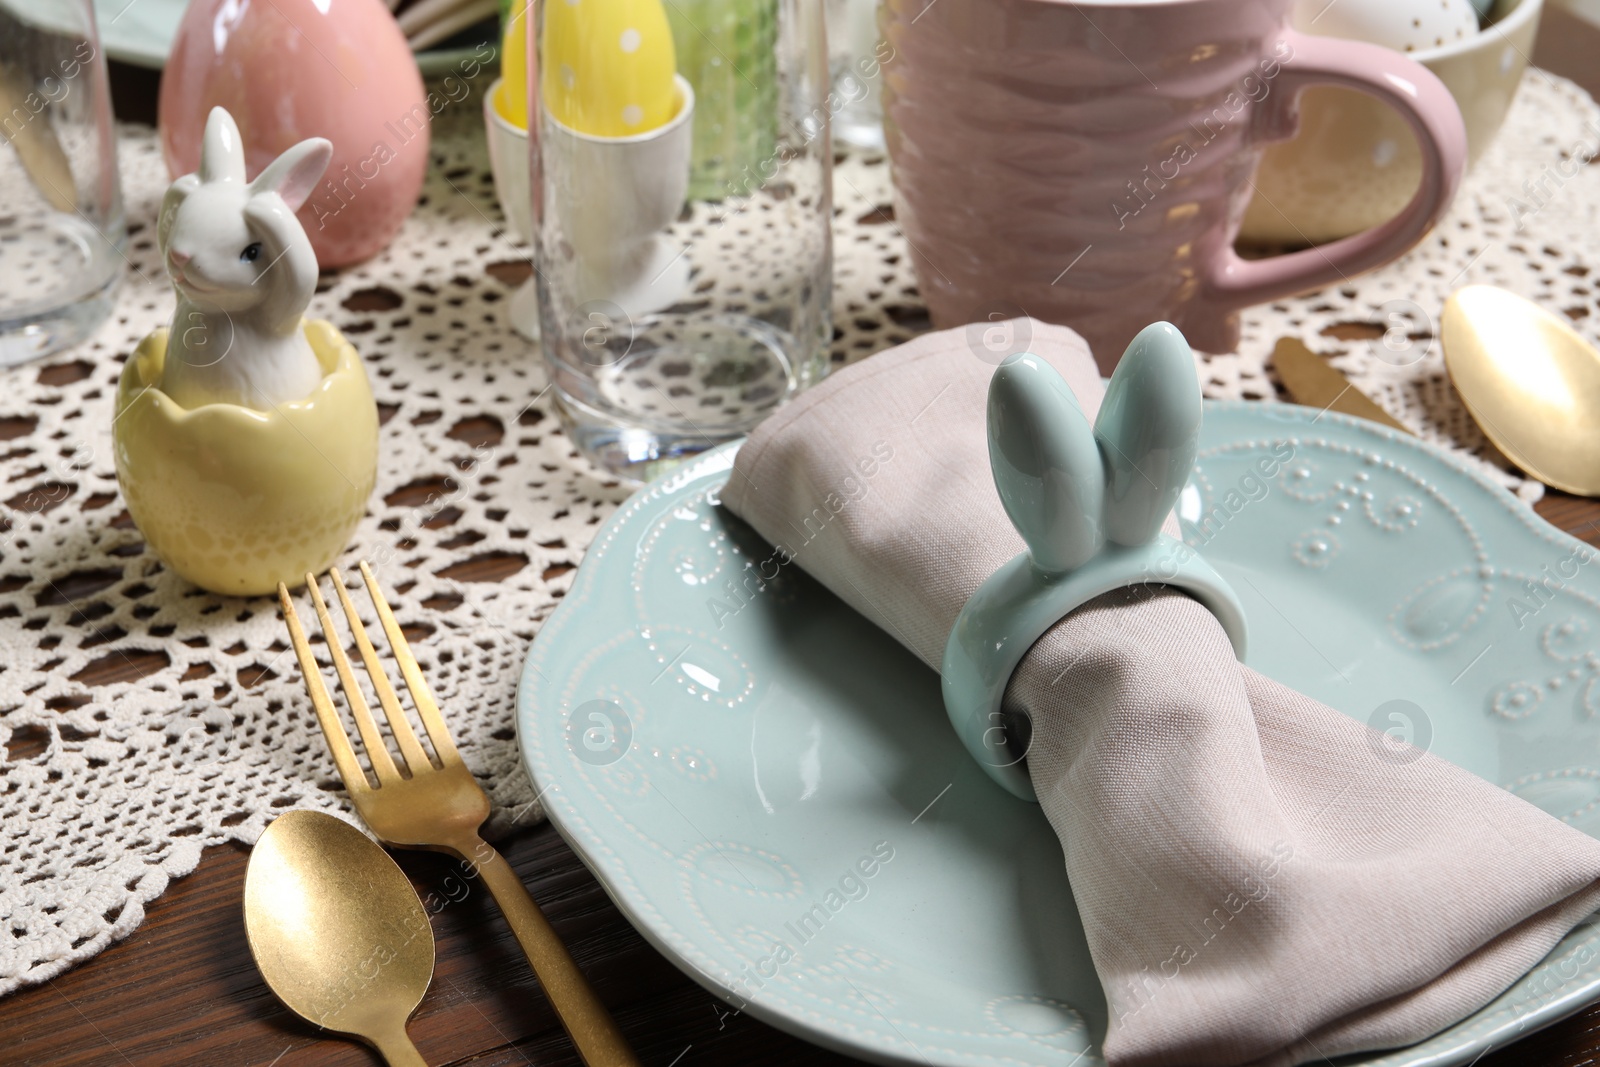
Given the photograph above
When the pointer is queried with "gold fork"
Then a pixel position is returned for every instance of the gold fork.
(419, 805)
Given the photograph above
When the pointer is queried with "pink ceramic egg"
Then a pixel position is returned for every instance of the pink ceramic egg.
(292, 69)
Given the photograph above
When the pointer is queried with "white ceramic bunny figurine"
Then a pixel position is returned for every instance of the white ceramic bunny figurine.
(244, 271)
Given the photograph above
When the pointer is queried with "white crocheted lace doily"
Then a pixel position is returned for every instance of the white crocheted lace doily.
(109, 791)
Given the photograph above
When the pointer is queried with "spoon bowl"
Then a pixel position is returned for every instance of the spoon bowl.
(1531, 382)
(337, 931)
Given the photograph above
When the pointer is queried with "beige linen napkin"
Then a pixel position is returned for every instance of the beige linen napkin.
(1263, 880)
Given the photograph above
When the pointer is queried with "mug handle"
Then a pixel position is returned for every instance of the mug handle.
(1430, 111)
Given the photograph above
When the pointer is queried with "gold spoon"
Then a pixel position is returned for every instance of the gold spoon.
(1531, 382)
(338, 932)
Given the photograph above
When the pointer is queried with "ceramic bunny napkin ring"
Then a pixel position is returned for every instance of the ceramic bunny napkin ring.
(1089, 503)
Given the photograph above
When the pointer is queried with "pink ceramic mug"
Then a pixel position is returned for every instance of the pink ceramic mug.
(1089, 164)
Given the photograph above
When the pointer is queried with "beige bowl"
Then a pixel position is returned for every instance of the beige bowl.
(1354, 162)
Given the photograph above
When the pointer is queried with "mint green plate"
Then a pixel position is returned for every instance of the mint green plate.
(768, 787)
(140, 32)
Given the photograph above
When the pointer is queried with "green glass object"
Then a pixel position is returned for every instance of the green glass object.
(727, 49)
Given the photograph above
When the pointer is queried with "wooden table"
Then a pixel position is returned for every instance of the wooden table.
(182, 989)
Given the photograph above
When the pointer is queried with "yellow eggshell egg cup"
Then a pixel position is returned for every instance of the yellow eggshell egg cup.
(237, 500)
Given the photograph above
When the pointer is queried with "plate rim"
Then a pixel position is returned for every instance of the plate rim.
(430, 64)
(120, 47)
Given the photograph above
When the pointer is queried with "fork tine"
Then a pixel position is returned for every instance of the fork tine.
(377, 750)
(344, 757)
(410, 748)
(427, 710)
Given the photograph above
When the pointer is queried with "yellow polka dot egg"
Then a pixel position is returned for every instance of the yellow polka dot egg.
(608, 66)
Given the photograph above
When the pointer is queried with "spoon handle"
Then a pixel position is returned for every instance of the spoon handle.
(588, 1023)
(396, 1048)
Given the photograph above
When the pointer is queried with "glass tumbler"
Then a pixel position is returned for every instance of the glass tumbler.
(856, 56)
(62, 234)
(682, 205)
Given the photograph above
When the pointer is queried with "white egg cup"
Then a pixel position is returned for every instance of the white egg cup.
(612, 198)
(508, 161)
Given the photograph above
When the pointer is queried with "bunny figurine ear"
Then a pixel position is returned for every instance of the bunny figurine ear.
(295, 173)
(176, 193)
(1148, 431)
(1045, 463)
(221, 151)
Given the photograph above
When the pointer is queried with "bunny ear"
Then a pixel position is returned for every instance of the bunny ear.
(1149, 431)
(1045, 463)
(175, 195)
(295, 173)
(221, 152)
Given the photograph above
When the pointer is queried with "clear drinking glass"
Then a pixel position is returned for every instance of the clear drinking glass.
(682, 202)
(856, 54)
(62, 234)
